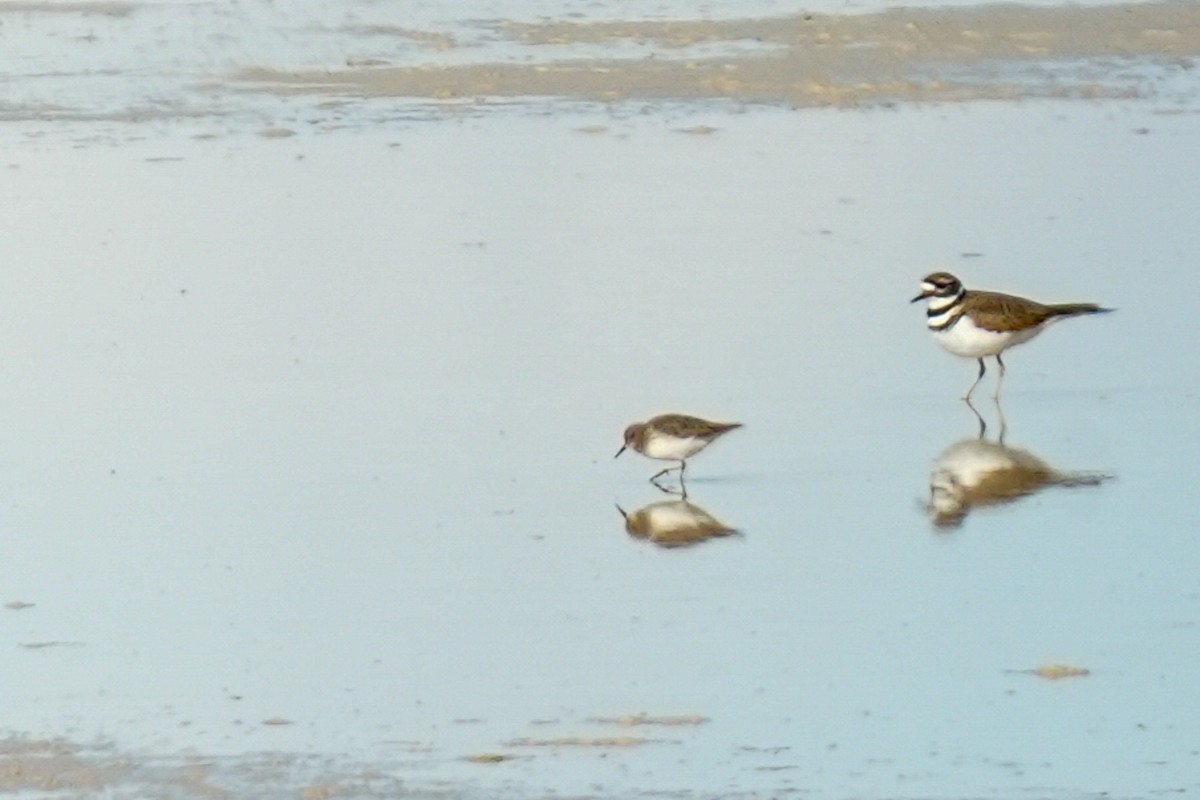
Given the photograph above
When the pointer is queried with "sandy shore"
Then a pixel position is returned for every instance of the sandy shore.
(989, 52)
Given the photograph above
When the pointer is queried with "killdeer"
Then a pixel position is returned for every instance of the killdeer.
(673, 437)
(979, 324)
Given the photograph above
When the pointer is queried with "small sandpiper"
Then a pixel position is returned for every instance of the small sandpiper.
(673, 437)
(978, 324)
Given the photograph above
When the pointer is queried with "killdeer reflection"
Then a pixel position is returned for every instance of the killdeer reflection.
(975, 473)
(673, 437)
(674, 523)
(979, 324)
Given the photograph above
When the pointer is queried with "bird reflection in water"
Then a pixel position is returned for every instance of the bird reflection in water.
(674, 523)
(976, 473)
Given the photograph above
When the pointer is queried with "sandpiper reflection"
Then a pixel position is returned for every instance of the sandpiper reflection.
(978, 472)
(674, 523)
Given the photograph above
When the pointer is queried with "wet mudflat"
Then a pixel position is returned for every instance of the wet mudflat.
(804, 59)
(309, 487)
(313, 64)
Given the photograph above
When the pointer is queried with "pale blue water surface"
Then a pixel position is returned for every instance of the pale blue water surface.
(320, 430)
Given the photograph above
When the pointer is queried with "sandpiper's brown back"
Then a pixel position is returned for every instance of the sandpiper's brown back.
(685, 426)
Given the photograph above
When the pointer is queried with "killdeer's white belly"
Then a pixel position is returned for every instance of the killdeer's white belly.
(672, 448)
(965, 338)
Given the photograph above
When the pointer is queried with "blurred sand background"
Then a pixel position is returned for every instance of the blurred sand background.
(810, 59)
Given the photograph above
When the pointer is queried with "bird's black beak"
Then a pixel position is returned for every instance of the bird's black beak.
(623, 514)
(922, 295)
(622, 450)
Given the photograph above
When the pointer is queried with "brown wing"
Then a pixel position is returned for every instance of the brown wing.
(1005, 312)
(682, 425)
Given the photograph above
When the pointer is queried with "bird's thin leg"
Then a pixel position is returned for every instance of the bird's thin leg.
(978, 416)
(663, 489)
(654, 478)
(982, 369)
(999, 380)
(682, 485)
(661, 472)
(667, 489)
(1003, 422)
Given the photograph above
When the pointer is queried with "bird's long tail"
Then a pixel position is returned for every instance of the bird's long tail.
(1076, 309)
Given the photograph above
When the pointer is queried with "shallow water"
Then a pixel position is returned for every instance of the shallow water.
(321, 430)
(309, 450)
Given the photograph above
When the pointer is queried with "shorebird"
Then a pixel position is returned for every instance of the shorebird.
(976, 324)
(673, 437)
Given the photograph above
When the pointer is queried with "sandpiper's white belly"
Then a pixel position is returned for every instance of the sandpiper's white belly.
(965, 338)
(673, 448)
